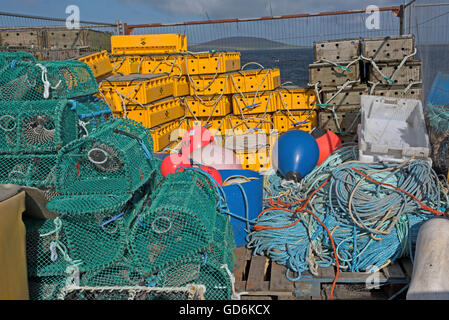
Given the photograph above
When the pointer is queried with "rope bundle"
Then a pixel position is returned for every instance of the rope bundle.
(357, 216)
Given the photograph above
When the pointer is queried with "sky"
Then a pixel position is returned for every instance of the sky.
(166, 11)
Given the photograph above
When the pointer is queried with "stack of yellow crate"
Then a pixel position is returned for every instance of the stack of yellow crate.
(158, 83)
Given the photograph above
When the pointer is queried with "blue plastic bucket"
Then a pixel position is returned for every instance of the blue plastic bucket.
(236, 201)
(439, 93)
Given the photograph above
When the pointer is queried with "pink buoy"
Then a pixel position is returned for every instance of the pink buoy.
(215, 156)
(195, 138)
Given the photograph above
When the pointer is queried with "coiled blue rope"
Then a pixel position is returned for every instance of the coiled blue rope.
(371, 224)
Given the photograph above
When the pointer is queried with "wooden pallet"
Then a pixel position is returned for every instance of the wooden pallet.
(260, 278)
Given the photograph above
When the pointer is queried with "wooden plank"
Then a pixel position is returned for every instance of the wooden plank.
(328, 272)
(360, 277)
(255, 281)
(242, 256)
(278, 280)
(244, 297)
(394, 271)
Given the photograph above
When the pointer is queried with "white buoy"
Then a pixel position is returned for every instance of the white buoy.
(430, 279)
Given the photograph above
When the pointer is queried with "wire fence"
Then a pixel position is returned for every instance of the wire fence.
(429, 23)
(282, 32)
(50, 38)
(284, 42)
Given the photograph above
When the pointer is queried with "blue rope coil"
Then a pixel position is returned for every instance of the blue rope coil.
(371, 224)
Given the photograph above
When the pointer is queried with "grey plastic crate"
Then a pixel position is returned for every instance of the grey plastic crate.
(330, 75)
(392, 48)
(347, 97)
(397, 91)
(409, 72)
(337, 50)
(392, 130)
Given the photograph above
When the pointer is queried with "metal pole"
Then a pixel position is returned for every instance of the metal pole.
(403, 26)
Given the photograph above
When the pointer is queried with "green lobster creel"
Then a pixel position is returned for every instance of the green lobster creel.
(24, 80)
(178, 223)
(87, 242)
(37, 126)
(103, 169)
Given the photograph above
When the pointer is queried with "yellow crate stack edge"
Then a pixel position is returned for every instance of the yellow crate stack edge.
(214, 91)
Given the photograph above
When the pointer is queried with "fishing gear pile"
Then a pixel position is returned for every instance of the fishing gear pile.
(117, 230)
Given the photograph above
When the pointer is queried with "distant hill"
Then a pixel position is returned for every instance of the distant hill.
(241, 43)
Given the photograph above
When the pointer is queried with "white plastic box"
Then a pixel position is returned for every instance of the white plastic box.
(392, 130)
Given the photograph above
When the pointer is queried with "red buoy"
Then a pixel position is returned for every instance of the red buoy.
(172, 162)
(327, 142)
(214, 173)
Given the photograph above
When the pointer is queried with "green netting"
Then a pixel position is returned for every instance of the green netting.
(179, 221)
(8, 57)
(42, 255)
(92, 113)
(221, 250)
(213, 276)
(23, 80)
(28, 170)
(45, 288)
(36, 127)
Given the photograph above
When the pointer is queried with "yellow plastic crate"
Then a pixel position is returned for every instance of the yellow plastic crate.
(137, 89)
(181, 86)
(216, 125)
(252, 123)
(296, 98)
(157, 113)
(190, 63)
(235, 82)
(124, 65)
(284, 121)
(211, 63)
(265, 101)
(255, 80)
(98, 62)
(172, 64)
(256, 160)
(165, 134)
(205, 106)
(148, 43)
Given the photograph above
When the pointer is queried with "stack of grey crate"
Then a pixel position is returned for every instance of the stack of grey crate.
(348, 68)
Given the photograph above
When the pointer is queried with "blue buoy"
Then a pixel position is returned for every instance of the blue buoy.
(295, 154)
